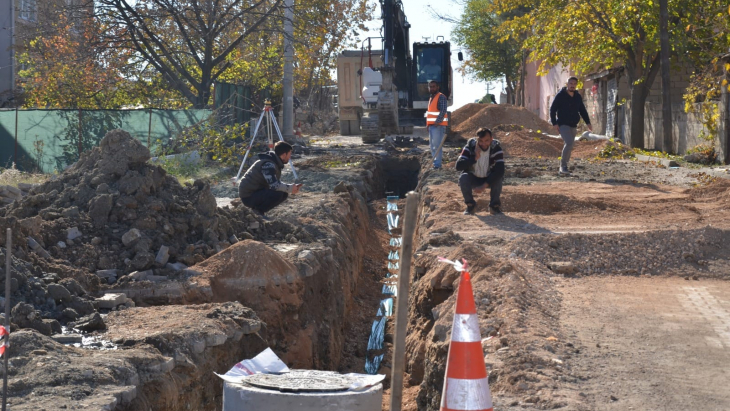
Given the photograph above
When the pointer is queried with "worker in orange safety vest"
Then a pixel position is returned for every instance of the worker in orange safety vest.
(436, 121)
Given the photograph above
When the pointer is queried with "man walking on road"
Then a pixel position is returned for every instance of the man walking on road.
(565, 114)
(436, 122)
(261, 188)
(482, 165)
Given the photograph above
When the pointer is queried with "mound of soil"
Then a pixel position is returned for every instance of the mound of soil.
(467, 120)
(719, 189)
(529, 144)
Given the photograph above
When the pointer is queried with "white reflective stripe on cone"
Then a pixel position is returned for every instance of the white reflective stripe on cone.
(470, 395)
(466, 328)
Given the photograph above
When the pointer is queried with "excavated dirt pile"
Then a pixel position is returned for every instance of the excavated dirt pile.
(469, 118)
(114, 211)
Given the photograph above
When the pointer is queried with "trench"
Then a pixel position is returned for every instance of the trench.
(325, 320)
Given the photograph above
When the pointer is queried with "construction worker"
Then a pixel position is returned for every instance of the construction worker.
(482, 165)
(431, 71)
(436, 121)
(565, 114)
(261, 188)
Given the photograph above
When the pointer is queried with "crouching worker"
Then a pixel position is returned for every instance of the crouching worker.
(482, 165)
(261, 188)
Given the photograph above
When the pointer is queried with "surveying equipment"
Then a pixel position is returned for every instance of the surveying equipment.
(268, 114)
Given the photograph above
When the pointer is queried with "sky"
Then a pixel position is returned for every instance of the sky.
(419, 15)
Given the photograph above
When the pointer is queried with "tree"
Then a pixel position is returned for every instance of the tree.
(600, 34)
(491, 56)
(64, 66)
(189, 42)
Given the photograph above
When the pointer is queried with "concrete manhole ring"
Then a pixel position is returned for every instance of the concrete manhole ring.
(301, 381)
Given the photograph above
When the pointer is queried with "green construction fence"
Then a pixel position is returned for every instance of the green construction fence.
(48, 140)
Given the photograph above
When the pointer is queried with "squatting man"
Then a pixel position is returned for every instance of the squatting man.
(261, 188)
(482, 165)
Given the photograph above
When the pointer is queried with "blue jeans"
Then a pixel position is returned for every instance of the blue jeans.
(435, 137)
(568, 135)
(468, 182)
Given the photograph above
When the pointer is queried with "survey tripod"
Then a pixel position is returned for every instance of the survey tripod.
(266, 115)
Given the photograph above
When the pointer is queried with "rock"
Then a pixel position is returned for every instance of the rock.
(61, 245)
(562, 267)
(111, 300)
(90, 323)
(73, 286)
(54, 325)
(120, 152)
(106, 273)
(99, 209)
(156, 278)
(233, 239)
(131, 237)
(163, 255)
(247, 236)
(307, 255)
(81, 306)
(176, 266)
(96, 241)
(69, 314)
(71, 212)
(68, 338)
(143, 260)
(254, 225)
(140, 275)
(341, 187)
(73, 233)
(59, 293)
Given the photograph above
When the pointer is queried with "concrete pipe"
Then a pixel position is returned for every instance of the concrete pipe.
(313, 391)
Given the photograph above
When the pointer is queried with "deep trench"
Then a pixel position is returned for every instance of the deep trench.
(400, 175)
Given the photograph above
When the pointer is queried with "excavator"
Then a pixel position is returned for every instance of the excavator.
(401, 101)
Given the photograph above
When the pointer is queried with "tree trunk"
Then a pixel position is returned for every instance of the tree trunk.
(666, 83)
(523, 69)
(637, 117)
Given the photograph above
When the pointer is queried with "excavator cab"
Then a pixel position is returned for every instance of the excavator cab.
(432, 61)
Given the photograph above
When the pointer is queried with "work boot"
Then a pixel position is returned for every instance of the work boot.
(495, 210)
(564, 171)
(470, 209)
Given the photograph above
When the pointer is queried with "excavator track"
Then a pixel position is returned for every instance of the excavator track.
(370, 128)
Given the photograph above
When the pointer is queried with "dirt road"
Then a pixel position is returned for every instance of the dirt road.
(649, 343)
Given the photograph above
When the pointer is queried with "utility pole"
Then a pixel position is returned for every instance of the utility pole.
(12, 49)
(288, 115)
(666, 81)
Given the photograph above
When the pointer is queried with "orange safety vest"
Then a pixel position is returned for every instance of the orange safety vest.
(433, 112)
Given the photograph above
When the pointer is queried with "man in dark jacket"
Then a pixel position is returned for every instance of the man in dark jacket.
(261, 188)
(565, 114)
(482, 165)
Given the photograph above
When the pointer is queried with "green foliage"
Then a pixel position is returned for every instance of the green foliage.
(616, 150)
(658, 154)
(490, 57)
(223, 145)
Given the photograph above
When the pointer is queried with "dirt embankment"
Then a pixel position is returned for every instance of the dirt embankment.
(124, 214)
(551, 230)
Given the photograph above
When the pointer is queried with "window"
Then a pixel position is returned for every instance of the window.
(28, 10)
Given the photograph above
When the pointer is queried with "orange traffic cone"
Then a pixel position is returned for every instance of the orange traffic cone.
(465, 385)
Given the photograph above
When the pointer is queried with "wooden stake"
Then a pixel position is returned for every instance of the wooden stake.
(8, 247)
(401, 314)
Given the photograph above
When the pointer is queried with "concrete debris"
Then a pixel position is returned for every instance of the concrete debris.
(111, 300)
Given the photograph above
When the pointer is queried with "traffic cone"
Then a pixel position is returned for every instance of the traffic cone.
(466, 385)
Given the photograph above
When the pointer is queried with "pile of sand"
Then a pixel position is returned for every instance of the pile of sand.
(466, 120)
